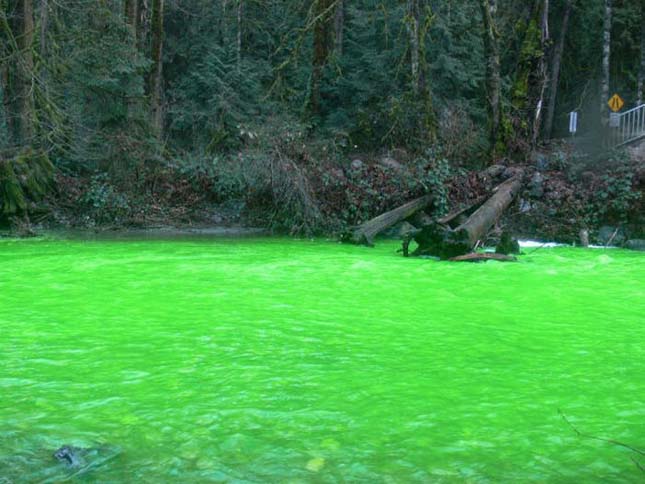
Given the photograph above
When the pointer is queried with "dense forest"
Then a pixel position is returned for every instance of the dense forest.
(310, 116)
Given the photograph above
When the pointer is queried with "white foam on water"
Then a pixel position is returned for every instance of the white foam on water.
(534, 244)
(531, 244)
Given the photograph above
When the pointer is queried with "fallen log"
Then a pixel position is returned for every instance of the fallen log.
(366, 232)
(483, 257)
(438, 240)
(475, 204)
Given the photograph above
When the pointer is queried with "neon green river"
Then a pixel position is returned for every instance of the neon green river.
(278, 360)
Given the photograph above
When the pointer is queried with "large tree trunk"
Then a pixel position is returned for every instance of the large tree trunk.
(555, 71)
(156, 76)
(542, 75)
(641, 71)
(440, 241)
(339, 28)
(417, 26)
(24, 71)
(5, 74)
(322, 10)
(131, 12)
(531, 73)
(366, 233)
(606, 57)
(238, 46)
(142, 25)
(493, 73)
(44, 25)
(414, 15)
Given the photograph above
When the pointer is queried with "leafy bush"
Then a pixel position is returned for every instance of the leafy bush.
(104, 203)
(615, 196)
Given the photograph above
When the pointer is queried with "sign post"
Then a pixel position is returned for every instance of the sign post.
(573, 123)
(614, 120)
(616, 103)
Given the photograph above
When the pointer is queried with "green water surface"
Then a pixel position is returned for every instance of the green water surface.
(276, 360)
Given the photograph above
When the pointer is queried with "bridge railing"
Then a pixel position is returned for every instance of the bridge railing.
(628, 127)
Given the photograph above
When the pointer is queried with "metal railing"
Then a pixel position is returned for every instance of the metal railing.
(628, 127)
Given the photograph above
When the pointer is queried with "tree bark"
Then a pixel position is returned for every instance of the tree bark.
(483, 219)
(240, 7)
(339, 27)
(131, 12)
(366, 233)
(606, 58)
(555, 71)
(531, 73)
(156, 76)
(413, 31)
(320, 52)
(44, 25)
(483, 258)
(5, 83)
(142, 25)
(417, 26)
(222, 22)
(493, 72)
(641, 71)
(542, 74)
(24, 71)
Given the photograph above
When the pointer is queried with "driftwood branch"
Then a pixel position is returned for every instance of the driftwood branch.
(483, 257)
(608, 441)
(366, 232)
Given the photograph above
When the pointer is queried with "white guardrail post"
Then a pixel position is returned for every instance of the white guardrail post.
(628, 126)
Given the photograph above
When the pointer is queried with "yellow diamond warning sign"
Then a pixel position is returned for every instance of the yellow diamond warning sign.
(616, 103)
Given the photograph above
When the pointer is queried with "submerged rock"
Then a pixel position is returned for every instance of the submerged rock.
(636, 244)
(81, 459)
(72, 456)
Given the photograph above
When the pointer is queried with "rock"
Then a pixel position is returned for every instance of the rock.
(391, 163)
(357, 164)
(507, 245)
(72, 456)
(406, 229)
(542, 162)
(636, 244)
(536, 185)
(495, 171)
(525, 206)
(510, 172)
(82, 460)
(611, 235)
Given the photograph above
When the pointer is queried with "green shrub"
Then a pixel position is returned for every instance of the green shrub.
(104, 204)
(615, 197)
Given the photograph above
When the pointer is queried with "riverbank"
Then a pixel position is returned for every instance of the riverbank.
(319, 193)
